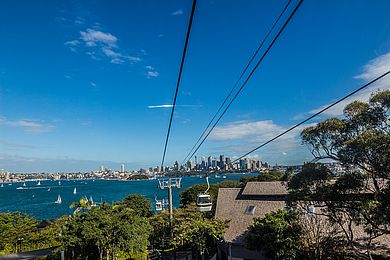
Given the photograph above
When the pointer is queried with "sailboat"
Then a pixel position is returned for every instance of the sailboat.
(24, 184)
(59, 200)
(75, 191)
(48, 189)
(59, 182)
(39, 183)
(2, 185)
(91, 201)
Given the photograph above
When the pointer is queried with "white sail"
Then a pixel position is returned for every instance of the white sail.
(59, 200)
(2, 185)
(39, 183)
(75, 191)
(59, 182)
(24, 184)
(91, 201)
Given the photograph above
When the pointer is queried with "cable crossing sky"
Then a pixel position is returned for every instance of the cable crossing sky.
(314, 115)
(178, 80)
(249, 76)
(239, 79)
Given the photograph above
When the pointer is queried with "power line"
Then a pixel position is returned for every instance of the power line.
(314, 115)
(178, 80)
(239, 79)
(249, 76)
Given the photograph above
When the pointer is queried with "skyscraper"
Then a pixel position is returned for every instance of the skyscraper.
(222, 161)
(122, 168)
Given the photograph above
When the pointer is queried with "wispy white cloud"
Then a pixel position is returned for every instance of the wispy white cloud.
(93, 37)
(93, 84)
(370, 71)
(32, 126)
(177, 12)
(101, 44)
(151, 72)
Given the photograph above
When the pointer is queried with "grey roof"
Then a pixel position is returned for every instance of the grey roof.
(265, 188)
(231, 207)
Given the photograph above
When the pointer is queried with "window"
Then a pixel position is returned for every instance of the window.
(250, 210)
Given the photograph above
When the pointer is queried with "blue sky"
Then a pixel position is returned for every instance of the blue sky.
(82, 83)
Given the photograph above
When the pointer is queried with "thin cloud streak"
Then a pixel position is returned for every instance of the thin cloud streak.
(30, 126)
(170, 106)
(177, 12)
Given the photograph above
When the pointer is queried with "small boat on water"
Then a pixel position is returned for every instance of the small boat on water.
(91, 201)
(39, 183)
(224, 177)
(24, 184)
(59, 200)
(48, 189)
(2, 185)
(75, 191)
(59, 182)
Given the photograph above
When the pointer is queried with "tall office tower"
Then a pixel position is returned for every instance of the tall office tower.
(228, 161)
(203, 164)
(122, 168)
(222, 161)
(247, 163)
(242, 164)
(213, 162)
(102, 169)
(209, 159)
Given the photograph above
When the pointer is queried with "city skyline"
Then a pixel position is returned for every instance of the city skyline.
(84, 84)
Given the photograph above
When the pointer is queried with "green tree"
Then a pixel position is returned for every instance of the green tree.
(277, 235)
(17, 232)
(107, 231)
(361, 142)
(188, 229)
(138, 203)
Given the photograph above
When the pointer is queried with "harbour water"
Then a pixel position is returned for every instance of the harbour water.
(39, 200)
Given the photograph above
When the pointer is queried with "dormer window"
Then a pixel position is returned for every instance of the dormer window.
(250, 210)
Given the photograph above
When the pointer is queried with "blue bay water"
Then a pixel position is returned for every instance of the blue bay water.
(39, 202)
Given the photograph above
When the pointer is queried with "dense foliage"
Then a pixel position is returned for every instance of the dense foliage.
(188, 229)
(138, 203)
(277, 235)
(106, 231)
(20, 232)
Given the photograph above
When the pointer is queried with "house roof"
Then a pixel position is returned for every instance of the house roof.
(265, 188)
(233, 208)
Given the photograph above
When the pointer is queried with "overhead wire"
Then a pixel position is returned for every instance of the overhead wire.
(314, 115)
(249, 76)
(239, 79)
(178, 80)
